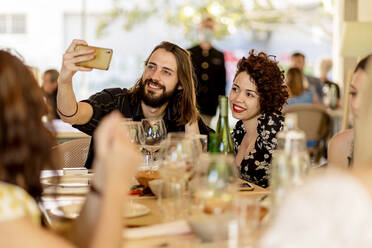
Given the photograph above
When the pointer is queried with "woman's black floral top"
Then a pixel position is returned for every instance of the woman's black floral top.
(255, 166)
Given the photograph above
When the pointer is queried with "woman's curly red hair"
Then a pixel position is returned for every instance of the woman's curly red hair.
(269, 79)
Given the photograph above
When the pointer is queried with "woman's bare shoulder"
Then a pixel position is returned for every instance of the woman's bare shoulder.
(339, 148)
(343, 137)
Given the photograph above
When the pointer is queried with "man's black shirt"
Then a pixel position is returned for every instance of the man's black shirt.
(109, 100)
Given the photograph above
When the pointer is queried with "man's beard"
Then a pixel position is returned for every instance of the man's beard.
(154, 101)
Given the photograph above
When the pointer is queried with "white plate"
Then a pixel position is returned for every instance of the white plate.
(67, 181)
(72, 210)
(135, 210)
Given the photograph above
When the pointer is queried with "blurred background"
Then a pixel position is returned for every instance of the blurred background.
(40, 31)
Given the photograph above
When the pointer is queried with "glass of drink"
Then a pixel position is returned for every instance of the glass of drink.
(154, 133)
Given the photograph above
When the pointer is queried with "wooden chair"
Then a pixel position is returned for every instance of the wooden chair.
(73, 153)
(316, 123)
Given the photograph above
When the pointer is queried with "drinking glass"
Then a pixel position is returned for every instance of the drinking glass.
(216, 183)
(178, 155)
(248, 216)
(215, 186)
(134, 131)
(201, 142)
(154, 133)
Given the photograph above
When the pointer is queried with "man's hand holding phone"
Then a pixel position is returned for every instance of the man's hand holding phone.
(71, 58)
(81, 57)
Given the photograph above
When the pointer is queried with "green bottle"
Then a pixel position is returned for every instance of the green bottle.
(224, 140)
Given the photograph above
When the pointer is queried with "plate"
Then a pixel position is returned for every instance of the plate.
(72, 211)
(136, 210)
(67, 181)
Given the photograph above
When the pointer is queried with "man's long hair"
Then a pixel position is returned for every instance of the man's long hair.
(183, 102)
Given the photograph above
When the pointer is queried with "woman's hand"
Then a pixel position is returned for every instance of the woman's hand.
(71, 58)
(116, 157)
(192, 128)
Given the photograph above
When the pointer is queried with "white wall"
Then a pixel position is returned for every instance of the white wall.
(365, 11)
(45, 28)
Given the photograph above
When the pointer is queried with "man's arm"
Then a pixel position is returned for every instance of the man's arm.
(69, 110)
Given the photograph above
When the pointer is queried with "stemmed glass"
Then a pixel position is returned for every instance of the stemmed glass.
(179, 152)
(178, 155)
(134, 131)
(154, 133)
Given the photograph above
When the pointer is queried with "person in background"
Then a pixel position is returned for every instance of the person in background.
(50, 85)
(256, 99)
(298, 93)
(25, 150)
(325, 68)
(165, 90)
(298, 61)
(332, 209)
(209, 65)
(341, 146)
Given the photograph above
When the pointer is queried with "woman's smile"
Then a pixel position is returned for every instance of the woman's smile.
(238, 109)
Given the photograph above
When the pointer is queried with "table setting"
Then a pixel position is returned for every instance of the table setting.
(181, 194)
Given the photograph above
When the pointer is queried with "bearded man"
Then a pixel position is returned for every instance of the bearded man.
(165, 90)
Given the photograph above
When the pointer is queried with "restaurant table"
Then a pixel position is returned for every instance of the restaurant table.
(64, 131)
(154, 217)
(180, 240)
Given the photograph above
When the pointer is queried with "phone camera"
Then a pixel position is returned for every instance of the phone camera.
(108, 52)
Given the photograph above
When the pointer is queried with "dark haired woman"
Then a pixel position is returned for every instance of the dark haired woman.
(256, 99)
(25, 150)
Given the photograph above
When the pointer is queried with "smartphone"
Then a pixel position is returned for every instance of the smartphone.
(102, 59)
(246, 187)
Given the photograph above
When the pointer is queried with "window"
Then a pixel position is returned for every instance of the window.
(2, 24)
(18, 24)
(12, 23)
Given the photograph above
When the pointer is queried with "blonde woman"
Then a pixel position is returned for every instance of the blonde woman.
(340, 148)
(333, 209)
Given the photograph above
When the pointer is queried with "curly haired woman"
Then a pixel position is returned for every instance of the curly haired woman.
(257, 96)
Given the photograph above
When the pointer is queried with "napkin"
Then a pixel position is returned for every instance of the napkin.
(170, 228)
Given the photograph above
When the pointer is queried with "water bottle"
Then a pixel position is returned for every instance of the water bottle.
(291, 161)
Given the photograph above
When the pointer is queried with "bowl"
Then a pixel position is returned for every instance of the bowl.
(156, 187)
(210, 228)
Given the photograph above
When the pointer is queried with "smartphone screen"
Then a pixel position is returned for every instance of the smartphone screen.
(102, 57)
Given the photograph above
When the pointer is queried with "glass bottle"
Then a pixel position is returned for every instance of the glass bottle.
(291, 160)
(224, 139)
(333, 97)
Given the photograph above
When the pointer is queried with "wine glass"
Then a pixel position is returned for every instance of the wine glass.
(135, 131)
(154, 133)
(178, 155)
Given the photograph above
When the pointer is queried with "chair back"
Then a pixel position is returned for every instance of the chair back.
(73, 153)
(315, 121)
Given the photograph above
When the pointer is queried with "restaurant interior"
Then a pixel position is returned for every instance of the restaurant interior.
(189, 123)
